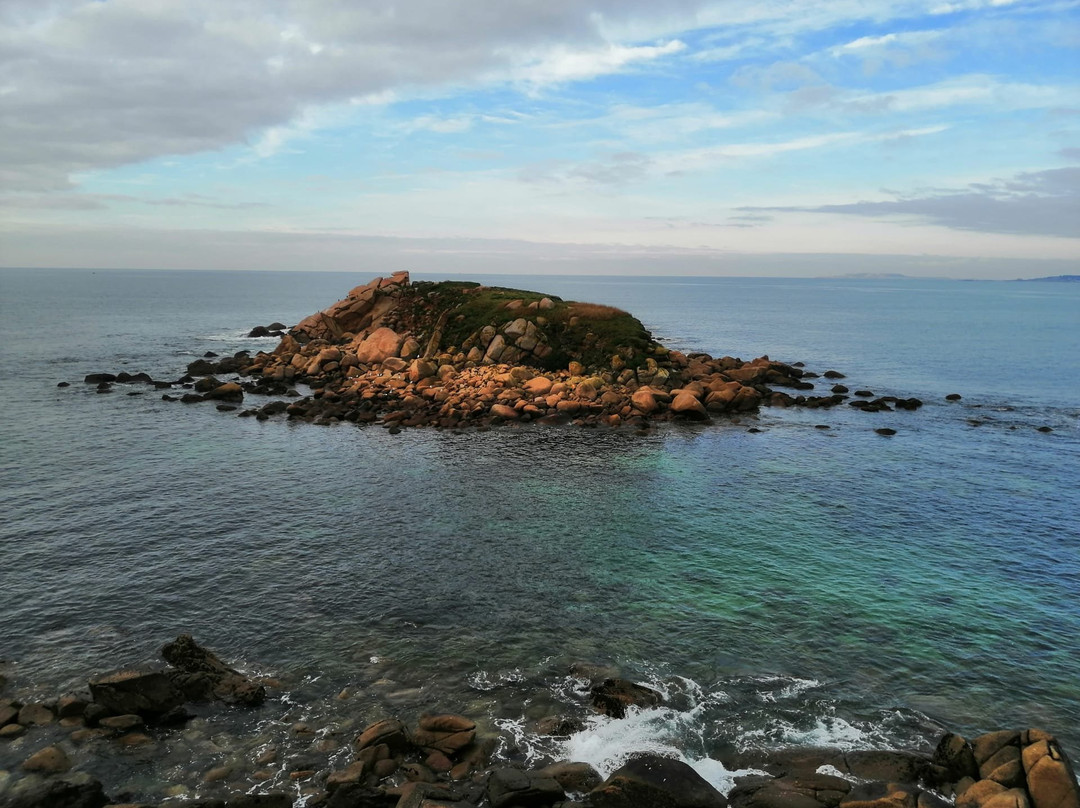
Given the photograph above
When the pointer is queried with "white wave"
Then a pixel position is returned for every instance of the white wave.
(607, 744)
(829, 731)
(483, 680)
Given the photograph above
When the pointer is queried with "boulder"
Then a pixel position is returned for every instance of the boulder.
(688, 405)
(390, 732)
(573, 776)
(504, 412)
(954, 755)
(230, 391)
(35, 715)
(538, 386)
(514, 788)
(979, 793)
(644, 402)
(70, 791)
(378, 346)
(444, 733)
(887, 766)
(651, 781)
(50, 760)
(146, 693)
(201, 675)
(1051, 781)
(613, 696)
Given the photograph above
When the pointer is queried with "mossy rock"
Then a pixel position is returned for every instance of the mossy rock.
(586, 332)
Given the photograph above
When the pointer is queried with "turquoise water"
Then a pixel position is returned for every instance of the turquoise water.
(796, 585)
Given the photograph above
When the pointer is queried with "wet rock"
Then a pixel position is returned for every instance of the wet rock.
(121, 722)
(579, 777)
(888, 766)
(269, 800)
(9, 732)
(444, 733)
(36, 715)
(70, 706)
(357, 795)
(953, 397)
(50, 760)
(230, 391)
(651, 781)
(882, 795)
(954, 754)
(70, 791)
(201, 675)
(149, 694)
(833, 374)
(514, 788)
(885, 431)
(390, 732)
(613, 696)
(99, 378)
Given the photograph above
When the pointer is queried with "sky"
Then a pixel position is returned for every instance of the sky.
(723, 137)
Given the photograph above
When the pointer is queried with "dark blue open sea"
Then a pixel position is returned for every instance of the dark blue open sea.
(788, 587)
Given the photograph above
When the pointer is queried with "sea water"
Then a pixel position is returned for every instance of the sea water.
(793, 585)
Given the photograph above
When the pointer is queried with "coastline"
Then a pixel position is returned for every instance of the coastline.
(124, 721)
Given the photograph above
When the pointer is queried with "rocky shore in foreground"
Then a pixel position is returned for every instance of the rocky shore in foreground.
(446, 760)
(454, 355)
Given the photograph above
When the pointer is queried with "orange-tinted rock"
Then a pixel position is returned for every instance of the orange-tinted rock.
(378, 346)
(50, 760)
(538, 386)
(644, 402)
(1050, 778)
(688, 404)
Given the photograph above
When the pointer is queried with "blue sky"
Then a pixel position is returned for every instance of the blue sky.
(690, 137)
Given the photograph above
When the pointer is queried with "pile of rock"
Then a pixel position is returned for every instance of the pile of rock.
(442, 760)
(379, 355)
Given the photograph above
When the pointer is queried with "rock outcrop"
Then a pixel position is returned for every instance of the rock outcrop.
(456, 354)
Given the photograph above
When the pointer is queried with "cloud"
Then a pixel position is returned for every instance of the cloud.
(89, 85)
(615, 169)
(1039, 203)
(560, 65)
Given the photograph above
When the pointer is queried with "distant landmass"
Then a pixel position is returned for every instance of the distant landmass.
(1054, 279)
(875, 276)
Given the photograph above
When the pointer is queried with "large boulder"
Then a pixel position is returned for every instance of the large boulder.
(70, 791)
(651, 781)
(514, 788)
(1051, 781)
(147, 693)
(378, 346)
(444, 733)
(954, 755)
(200, 675)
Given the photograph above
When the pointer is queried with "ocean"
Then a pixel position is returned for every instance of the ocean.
(793, 585)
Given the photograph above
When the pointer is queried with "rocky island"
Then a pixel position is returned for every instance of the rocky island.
(457, 354)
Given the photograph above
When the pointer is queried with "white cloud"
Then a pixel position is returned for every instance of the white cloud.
(866, 44)
(561, 65)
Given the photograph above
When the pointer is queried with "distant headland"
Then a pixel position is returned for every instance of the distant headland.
(1052, 279)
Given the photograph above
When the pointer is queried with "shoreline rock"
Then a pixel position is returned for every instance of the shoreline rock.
(444, 760)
